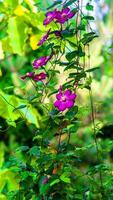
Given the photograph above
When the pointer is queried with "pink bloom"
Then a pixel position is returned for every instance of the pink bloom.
(28, 75)
(39, 77)
(60, 16)
(50, 16)
(41, 61)
(64, 15)
(65, 100)
(44, 38)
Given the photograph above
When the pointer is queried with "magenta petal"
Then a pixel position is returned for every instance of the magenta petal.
(69, 104)
(58, 13)
(49, 14)
(57, 103)
(30, 74)
(62, 106)
(49, 17)
(59, 95)
(67, 93)
(72, 96)
(46, 22)
(41, 61)
(65, 10)
(70, 15)
(43, 75)
(43, 40)
(39, 77)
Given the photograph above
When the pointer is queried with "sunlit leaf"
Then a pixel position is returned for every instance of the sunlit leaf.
(17, 34)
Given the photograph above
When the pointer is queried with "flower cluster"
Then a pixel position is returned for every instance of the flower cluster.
(59, 16)
(65, 99)
(35, 77)
(36, 64)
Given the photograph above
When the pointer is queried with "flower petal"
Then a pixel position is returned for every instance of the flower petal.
(69, 104)
(49, 17)
(70, 15)
(65, 10)
(57, 103)
(59, 95)
(67, 93)
(72, 96)
(62, 106)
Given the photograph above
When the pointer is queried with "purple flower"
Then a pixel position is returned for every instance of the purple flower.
(39, 77)
(50, 16)
(60, 16)
(44, 38)
(65, 100)
(64, 15)
(28, 75)
(41, 61)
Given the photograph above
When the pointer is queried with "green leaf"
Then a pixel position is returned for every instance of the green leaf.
(72, 44)
(78, 76)
(81, 27)
(69, 3)
(55, 4)
(7, 176)
(72, 112)
(92, 69)
(44, 189)
(89, 7)
(9, 103)
(34, 151)
(2, 7)
(19, 107)
(74, 54)
(71, 55)
(88, 37)
(17, 32)
(87, 17)
(54, 92)
(11, 123)
(12, 4)
(89, 34)
(22, 148)
(64, 178)
(54, 182)
(68, 33)
(72, 128)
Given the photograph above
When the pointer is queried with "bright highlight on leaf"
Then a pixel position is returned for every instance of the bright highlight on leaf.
(17, 34)
(33, 41)
(20, 10)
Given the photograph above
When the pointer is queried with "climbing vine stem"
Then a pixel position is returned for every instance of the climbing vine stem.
(94, 125)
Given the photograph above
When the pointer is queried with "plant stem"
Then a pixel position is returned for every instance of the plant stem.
(94, 127)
